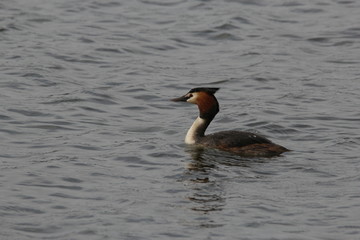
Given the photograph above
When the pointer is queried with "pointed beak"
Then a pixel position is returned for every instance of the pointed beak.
(180, 99)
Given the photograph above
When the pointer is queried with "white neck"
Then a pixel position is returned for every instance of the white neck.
(197, 130)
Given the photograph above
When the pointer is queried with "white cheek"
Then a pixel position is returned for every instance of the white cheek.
(191, 100)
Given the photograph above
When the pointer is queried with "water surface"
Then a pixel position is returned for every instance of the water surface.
(91, 148)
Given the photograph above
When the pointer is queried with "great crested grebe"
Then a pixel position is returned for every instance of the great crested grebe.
(243, 143)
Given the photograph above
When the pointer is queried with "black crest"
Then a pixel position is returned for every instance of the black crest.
(202, 89)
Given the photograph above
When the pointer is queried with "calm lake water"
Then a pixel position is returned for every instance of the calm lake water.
(92, 148)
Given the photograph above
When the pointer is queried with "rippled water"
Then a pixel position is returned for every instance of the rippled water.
(91, 148)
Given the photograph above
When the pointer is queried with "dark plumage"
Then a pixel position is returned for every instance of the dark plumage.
(242, 143)
(231, 139)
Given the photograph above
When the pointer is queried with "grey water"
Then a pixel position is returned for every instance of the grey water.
(92, 148)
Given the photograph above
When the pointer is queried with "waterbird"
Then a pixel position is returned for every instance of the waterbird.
(242, 143)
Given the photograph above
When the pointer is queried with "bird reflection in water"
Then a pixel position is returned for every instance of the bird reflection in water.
(206, 176)
(206, 190)
(205, 159)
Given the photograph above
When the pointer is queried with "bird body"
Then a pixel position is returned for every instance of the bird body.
(238, 142)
